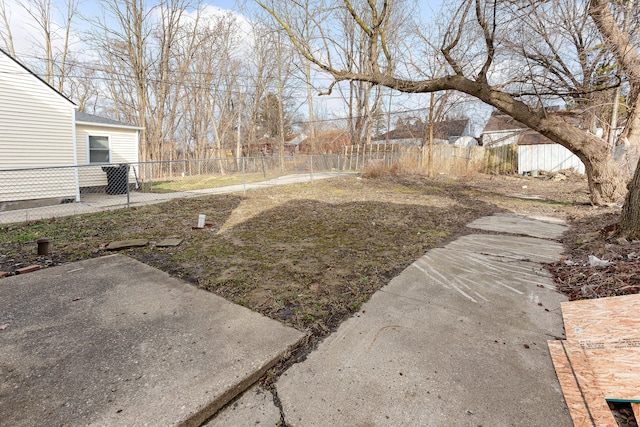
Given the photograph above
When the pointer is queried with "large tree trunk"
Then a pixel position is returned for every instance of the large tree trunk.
(628, 56)
(606, 182)
(630, 219)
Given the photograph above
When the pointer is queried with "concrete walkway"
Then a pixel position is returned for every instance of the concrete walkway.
(457, 339)
(103, 202)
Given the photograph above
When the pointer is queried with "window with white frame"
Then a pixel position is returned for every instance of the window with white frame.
(98, 149)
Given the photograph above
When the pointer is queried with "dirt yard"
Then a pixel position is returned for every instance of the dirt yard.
(310, 255)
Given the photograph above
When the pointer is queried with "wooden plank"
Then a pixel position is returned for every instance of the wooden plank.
(570, 389)
(588, 384)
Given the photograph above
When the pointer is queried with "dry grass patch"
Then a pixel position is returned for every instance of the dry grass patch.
(306, 255)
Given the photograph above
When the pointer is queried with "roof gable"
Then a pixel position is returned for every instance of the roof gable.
(35, 75)
(502, 122)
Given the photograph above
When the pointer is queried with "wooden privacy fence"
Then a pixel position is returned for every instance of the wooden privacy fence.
(440, 158)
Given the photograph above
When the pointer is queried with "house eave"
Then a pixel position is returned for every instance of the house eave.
(107, 125)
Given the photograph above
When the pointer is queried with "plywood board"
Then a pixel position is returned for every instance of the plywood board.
(570, 389)
(588, 383)
(603, 319)
(608, 330)
(617, 372)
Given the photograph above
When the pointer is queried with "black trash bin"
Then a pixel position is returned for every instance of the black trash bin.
(117, 178)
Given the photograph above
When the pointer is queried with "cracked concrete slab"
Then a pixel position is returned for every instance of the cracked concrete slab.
(541, 227)
(112, 341)
(508, 247)
(458, 338)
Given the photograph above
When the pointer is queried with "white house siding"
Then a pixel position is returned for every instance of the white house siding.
(547, 157)
(31, 184)
(123, 146)
(36, 130)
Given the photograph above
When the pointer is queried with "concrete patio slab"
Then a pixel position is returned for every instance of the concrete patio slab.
(458, 338)
(112, 341)
(517, 224)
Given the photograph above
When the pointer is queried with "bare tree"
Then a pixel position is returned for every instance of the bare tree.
(627, 54)
(122, 36)
(5, 30)
(85, 91)
(53, 38)
(140, 46)
(260, 76)
(561, 57)
(40, 11)
(474, 73)
(211, 88)
(174, 38)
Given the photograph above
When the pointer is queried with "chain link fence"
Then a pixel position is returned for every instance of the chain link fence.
(40, 193)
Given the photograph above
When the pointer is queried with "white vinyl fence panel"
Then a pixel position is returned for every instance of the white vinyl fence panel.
(547, 157)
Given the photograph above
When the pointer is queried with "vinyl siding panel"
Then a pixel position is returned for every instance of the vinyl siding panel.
(31, 184)
(123, 147)
(36, 123)
(36, 130)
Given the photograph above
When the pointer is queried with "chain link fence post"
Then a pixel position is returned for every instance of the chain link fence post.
(244, 177)
(150, 177)
(126, 184)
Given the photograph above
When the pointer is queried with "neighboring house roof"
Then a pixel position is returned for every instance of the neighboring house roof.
(501, 123)
(294, 139)
(531, 137)
(36, 76)
(90, 119)
(441, 130)
(329, 137)
(330, 141)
